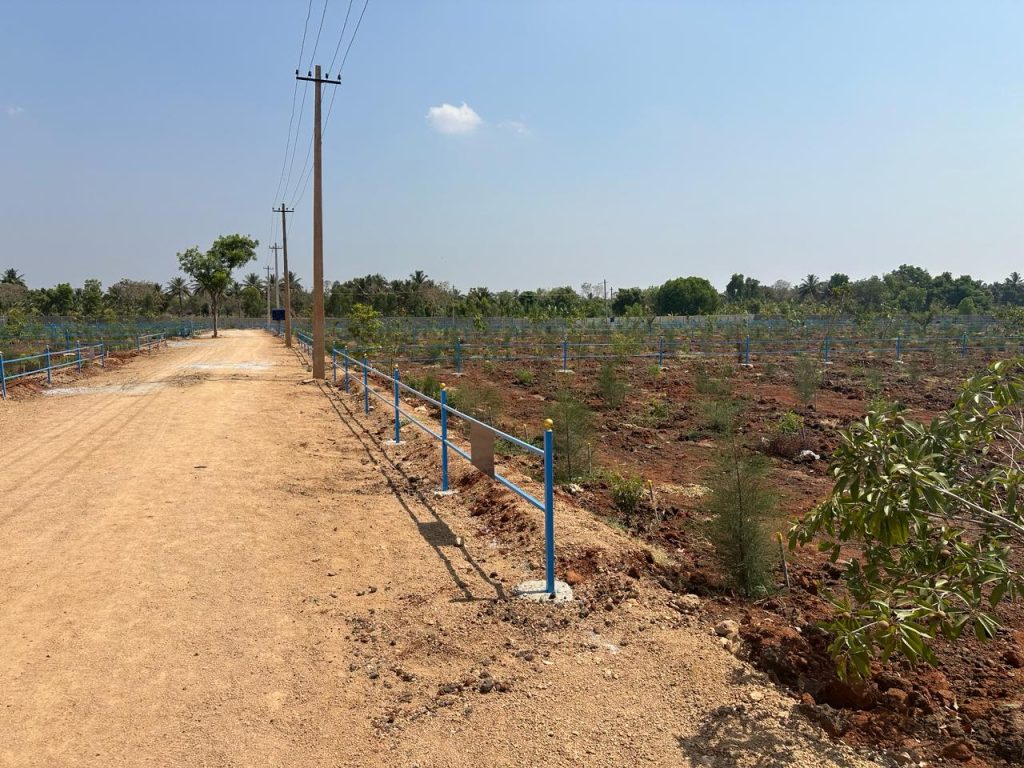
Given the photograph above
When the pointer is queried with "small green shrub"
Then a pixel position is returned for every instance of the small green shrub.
(654, 413)
(742, 510)
(627, 493)
(488, 367)
(524, 377)
(427, 384)
(711, 386)
(790, 423)
(611, 388)
(806, 378)
(719, 415)
(482, 403)
(573, 427)
(873, 380)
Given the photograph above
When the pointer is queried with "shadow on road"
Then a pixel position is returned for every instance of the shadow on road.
(435, 532)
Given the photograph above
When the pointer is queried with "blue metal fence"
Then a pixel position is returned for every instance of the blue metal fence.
(48, 361)
(393, 401)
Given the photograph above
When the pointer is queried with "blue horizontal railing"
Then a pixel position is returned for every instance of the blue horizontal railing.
(48, 361)
(394, 402)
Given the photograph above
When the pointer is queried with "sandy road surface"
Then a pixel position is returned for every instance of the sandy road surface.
(207, 562)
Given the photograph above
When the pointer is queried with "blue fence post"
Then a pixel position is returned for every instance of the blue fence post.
(398, 423)
(458, 355)
(3, 378)
(344, 354)
(366, 388)
(49, 378)
(899, 348)
(103, 355)
(444, 436)
(746, 351)
(138, 343)
(565, 354)
(963, 344)
(78, 355)
(661, 351)
(334, 365)
(549, 507)
(825, 349)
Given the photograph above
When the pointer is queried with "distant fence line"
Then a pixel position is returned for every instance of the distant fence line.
(78, 356)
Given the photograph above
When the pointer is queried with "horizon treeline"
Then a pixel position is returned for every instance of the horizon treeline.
(906, 290)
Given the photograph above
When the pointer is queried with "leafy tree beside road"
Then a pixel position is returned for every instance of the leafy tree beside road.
(211, 271)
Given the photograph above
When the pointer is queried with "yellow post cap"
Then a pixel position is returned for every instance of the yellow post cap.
(444, 387)
(548, 424)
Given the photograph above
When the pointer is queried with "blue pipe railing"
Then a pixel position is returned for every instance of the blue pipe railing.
(546, 505)
(14, 368)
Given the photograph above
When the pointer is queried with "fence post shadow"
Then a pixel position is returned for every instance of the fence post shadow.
(435, 532)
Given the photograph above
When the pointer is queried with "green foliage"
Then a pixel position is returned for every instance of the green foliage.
(524, 377)
(573, 428)
(365, 328)
(806, 378)
(790, 423)
(934, 511)
(425, 383)
(711, 386)
(627, 493)
(211, 271)
(610, 386)
(687, 296)
(480, 402)
(719, 415)
(655, 412)
(742, 510)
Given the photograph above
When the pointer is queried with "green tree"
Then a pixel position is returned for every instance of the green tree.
(810, 288)
(687, 296)
(365, 328)
(742, 510)
(573, 427)
(178, 289)
(212, 270)
(934, 511)
(90, 298)
(13, 277)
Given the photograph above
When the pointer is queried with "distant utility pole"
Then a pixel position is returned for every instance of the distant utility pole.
(268, 294)
(277, 279)
(287, 280)
(318, 224)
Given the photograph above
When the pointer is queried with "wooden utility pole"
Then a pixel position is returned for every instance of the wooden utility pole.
(277, 279)
(287, 280)
(319, 345)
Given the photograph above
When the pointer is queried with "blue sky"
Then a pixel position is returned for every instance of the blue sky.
(628, 141)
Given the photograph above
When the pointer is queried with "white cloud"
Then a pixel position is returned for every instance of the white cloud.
(517, 126)
(14, 111)
(451, 119)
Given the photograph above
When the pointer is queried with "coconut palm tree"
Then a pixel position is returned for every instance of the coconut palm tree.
(253, 280)
(13, 277)
(177, 288)
(810, 288)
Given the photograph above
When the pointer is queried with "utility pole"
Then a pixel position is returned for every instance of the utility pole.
(268, 295)
(318, 223)
(277, 280)
(287, 281)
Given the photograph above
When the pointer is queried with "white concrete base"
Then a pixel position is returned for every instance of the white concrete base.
(564, 370)
(445, 493)
(392, 442)
(534, 590)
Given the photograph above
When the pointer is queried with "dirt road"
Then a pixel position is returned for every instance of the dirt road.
(208, 562)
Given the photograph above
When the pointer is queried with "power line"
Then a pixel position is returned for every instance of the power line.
(341, 38)
(282, 180)
(319, 30)
(304, 175)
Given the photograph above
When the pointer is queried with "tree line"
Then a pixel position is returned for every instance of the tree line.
(905, 290)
